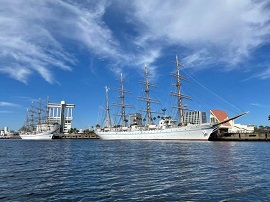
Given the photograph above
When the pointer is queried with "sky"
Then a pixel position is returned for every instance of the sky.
(71, 49)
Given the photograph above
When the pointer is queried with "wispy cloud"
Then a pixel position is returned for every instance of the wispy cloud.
(8, 104)
(259, 105)
(36, 37)
(27, 45)
(264, 74)
(6, 112)
(198, 58)
(228, 31)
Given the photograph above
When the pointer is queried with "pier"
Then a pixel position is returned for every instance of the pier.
(240, 137)
(75, 136)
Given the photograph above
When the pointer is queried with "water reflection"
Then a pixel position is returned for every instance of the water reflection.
(140, 170)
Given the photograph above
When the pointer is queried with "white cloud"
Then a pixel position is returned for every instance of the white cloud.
(8, 104)
(264, 75)
(6, 112)
(259, 105)
(229, 30)
(36, 36)
(26, 43)
(32, 35)
(17, 72)
(199, 58)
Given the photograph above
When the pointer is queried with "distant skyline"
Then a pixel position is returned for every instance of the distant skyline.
(70, 50)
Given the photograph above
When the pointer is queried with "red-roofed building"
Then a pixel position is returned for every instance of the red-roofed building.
(217, 116)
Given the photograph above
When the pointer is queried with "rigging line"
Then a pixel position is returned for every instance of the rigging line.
(213, 92)
(101, 116)
(194, 98)
(158, 97)
(190, 90)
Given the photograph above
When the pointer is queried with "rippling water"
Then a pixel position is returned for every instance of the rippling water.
(94, 170)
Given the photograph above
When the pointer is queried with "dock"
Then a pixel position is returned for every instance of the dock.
(11, 136)
(240, 137)
(75, 136)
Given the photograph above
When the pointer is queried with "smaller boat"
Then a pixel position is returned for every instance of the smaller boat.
(43, 131)
(37, 127)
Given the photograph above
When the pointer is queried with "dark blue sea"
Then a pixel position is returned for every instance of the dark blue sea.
(95, 170)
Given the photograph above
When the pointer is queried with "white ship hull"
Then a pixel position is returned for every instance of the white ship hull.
(193, 126)
(179, 133)
(38, 136)
(44, 132)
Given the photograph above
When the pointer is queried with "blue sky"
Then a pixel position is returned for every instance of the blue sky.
(70, 50)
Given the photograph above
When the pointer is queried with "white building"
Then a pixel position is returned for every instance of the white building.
(238, 128)
(4, 132)
(195, 117)
(62, 114)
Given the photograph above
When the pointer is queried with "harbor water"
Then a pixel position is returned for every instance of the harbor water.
(95, 170)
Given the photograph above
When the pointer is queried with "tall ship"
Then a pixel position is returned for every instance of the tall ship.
(37, 126)
(167, 127)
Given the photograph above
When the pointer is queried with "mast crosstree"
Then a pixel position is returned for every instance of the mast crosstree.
(108, 108)
(147, 98)
(180, 106)
(123, 105)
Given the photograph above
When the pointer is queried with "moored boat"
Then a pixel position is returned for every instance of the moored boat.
(43, 132)
(166, 129)
(37, 127)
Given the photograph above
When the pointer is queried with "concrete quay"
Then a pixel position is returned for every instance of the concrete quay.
(10, 137)
(75, 136)
(240, 137)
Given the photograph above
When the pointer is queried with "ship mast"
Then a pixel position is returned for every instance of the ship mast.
(180, 107)
(26, 125)
(47, 110)
(39, 111)
(148, 108)
(107, 107)
(147, 98)
(122, 104)
(32, 116)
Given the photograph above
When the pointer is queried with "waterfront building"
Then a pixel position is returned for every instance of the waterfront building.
(239, 128)
(61, 113)
(195, 117)
(4, 132)
(228, 127)
(135, 119)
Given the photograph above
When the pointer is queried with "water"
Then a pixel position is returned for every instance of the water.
(94, 170)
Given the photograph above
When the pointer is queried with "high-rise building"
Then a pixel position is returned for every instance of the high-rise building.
(195, 117)
(62, 114)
